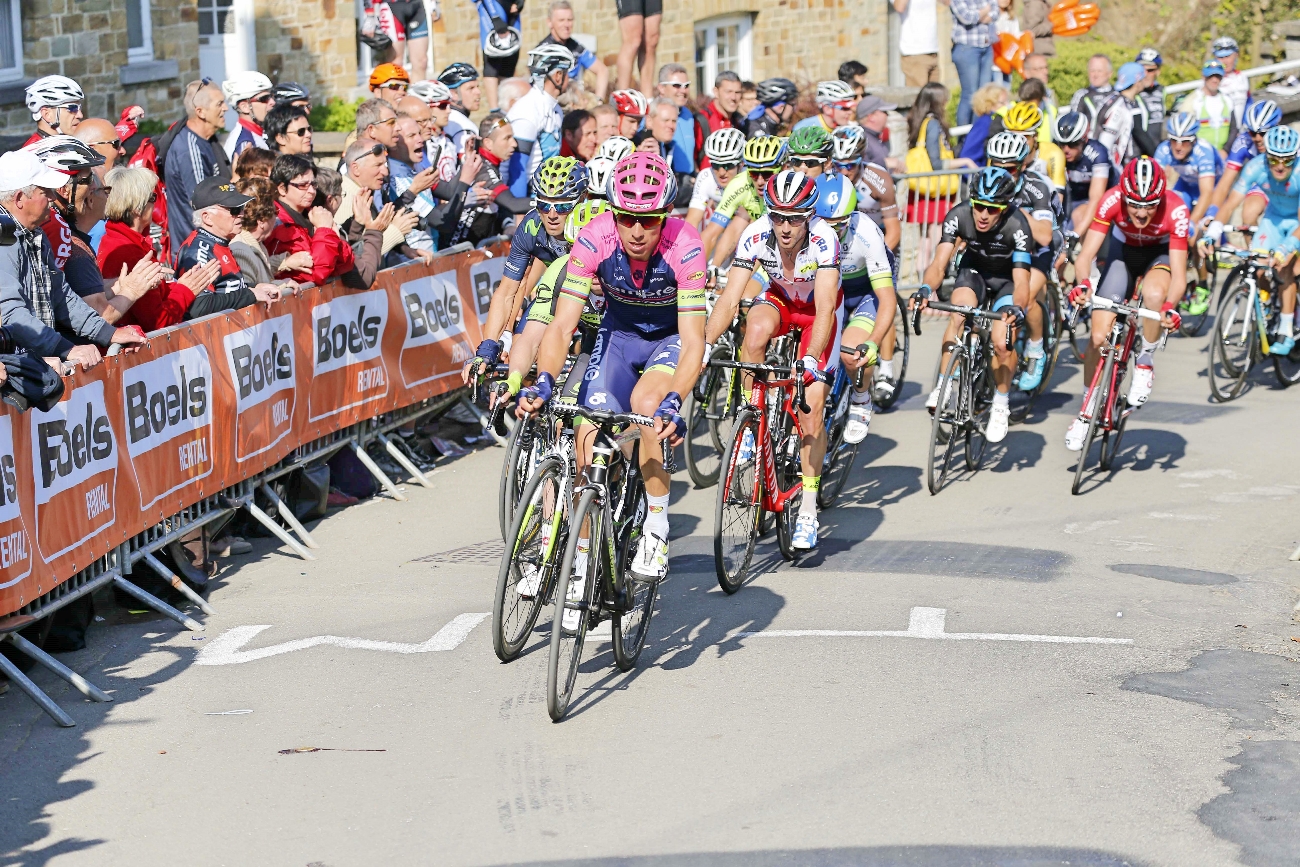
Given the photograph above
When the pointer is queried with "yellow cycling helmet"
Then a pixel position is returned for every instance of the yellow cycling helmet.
(581, 216)
(764, 152)
(1023, 117)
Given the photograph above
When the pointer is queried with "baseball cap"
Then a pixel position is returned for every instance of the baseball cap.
(1128, 75)
(1149, 56)
(23, 168)
(1224, 52)
(870, 103)
(1212, 67)
(217, 191)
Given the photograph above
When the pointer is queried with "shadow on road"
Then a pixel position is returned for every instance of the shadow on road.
(873, 856)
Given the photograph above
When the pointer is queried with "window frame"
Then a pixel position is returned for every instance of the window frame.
(706, 71)
(144, 52)
(15, 73)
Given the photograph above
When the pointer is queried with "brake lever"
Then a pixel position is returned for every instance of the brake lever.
(670, 466)
(916, 320)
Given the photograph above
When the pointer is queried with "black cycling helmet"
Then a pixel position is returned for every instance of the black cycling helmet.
(290, 91)
(993, 186)
(457, 74)
(770, 91)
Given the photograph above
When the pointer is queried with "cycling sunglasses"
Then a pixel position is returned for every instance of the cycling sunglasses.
(987, 207)
(761, 176)
(557, 207)
(648, 221)
(1140, 206)
(845, 168)
(725, 167)
(807, 162)
(788, 218)
(1280, 161)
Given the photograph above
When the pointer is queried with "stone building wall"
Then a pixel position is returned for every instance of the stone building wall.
(312, 42)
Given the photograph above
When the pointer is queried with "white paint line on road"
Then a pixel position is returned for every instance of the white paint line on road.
(225, 648)
(928, 623)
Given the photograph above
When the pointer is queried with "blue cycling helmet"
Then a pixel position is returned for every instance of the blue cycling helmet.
(993, 186)
(1182, 125)
(1282, 141)
(1261, 116)
(836, 197)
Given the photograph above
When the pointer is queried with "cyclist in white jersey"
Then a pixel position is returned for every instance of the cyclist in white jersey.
(725, 149)
(1235, 83)
(536, 117)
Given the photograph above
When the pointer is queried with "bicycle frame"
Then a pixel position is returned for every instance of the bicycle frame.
(1123, 335)
(774, 499)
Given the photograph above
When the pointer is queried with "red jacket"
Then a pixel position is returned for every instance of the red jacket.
(713, 120)
(330, 254)
(164, 305)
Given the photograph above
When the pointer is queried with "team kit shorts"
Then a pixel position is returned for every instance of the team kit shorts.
(802, 316)
(1125, 264)
(645, 8)
(618, 360)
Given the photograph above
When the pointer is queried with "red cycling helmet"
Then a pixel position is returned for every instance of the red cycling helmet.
(630, 102)
(1143, 181)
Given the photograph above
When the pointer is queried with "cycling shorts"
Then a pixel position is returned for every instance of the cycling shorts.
(645, 8)
(409, 15)
(1258, 191)
(1043, 259)
(864, 314)
(988, 290)
(618, 359)
(500, 67)
(1125, 265)
(1272, 231)
(803, 317)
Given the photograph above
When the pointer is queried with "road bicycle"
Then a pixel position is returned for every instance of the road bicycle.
(1107, 408)
(710, 406)
(611, 508)
(761, 470)
(1248, 314)
(965, 394)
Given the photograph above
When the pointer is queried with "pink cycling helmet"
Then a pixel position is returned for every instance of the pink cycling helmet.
(642, 184)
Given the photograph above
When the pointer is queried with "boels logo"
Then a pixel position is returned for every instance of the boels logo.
(347, 354)
(15, 544)
(169, 418)
(485, 277)
(435, 317)
(261, 364)
(74, 463)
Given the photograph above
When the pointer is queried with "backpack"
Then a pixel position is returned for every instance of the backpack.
(918, 161)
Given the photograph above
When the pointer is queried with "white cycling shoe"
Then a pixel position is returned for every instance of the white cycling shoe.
(999, 420)
(1140, 389)
(530, 583)
(932, 402)
(859, 422)
(577, 590)
(805, 533)
(651, 557)
(1075, 436)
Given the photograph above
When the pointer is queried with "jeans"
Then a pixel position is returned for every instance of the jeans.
(974, 70)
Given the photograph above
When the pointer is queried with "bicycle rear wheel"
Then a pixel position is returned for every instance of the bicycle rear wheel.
(1233, 341)
(629, 628)
(944, 426)
(1099, 403)
(566, 647)
(838, 462)
(514, 471)
(787, 477)
(1192, 323)
(703, 457)
(537, 537)
(1287, 368)
(902, 350)
(1110, 439)
(736, 515)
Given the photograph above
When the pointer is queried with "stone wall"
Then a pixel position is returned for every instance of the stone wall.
(311, 42)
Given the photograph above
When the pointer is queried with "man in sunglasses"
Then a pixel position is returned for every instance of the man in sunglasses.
(217, 207)
(810, 150)
(1149, 227)
(835, 104)
(742, 202)
(994, 273)
(799, 254)
(1258, 119)
(250, 94)
(55, 102)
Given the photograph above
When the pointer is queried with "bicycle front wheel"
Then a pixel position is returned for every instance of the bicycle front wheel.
(787, 477)
(514, 471)
(566, 644)
(528, 564)
(944, 427)
(630, 626)
(736, 515)
(1100, 401)
(1233, 341)
(703, 457)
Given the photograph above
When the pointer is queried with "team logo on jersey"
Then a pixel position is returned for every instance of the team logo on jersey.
(1021, 238)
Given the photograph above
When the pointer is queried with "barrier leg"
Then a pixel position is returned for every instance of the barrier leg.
(378, 473)
(485, 422)
(181, 587)
(289, 518)
(34, 692)
(405, 461)
(158, 605)
(1295, 555)
(85, 687)
(265, 520)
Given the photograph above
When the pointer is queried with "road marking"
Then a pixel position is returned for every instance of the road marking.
(928, 623)
(225, 648)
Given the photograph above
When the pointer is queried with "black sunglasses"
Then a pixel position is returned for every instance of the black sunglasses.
(304, 130)
(788, 218)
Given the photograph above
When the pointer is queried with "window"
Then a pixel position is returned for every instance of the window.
(11, 40)
(213, 17)
(722, 44)
(139, 31)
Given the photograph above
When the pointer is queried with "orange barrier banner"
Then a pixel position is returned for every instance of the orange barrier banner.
(211, 403)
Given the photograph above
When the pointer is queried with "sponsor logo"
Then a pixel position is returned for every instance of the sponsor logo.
(698, 275)
(695, 251)
(15, 546)
(432, 309)
(347, 330)
(584, 241)
(485, 277)
(166, 398)
(597, 399)
(261, 360)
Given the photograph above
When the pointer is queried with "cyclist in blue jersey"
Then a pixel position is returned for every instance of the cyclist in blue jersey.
(1191, 165)
(1275, 171)
(1089, 173)
(1257, 120)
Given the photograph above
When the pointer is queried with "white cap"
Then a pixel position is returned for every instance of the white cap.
(22, 168)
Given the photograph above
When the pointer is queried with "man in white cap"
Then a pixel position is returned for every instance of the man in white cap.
(251, 95)
(35, 303)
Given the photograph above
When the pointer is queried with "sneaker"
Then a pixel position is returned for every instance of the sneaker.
(1075, 435)
(805, 533)
(746, 447)
(883, 389)
(577, 590)
(1199, 301)
(1140, 389)
(651, 557)
(1032, 376)
(1282, 346)
(230, 546)
(855, 429)
(999, 419)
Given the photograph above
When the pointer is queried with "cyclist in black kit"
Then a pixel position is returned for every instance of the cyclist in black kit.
(993, 272)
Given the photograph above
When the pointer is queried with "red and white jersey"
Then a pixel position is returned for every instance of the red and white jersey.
(1170, 224)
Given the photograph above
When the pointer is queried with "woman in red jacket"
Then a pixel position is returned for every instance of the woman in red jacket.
(303, 228)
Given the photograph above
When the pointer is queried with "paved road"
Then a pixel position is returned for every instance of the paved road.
(1179, 748)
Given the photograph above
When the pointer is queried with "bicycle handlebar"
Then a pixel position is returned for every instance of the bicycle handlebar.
(1099, 302)
(604, 418)
(795, 373)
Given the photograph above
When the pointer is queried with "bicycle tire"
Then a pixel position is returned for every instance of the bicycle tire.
(902, 349)
(1235, 318)
(698, 444)
(943, 434)
(1098, 404)
(1287, 368)
(1051, 337)
(836, 471)
(979, 393)
(628, 629)
(511, 627)
(509, 495)
(566, 650)
(787, 475)
(735, 518)
(1230, 286)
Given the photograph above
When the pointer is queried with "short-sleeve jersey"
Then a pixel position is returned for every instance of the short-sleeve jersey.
(739, 193)
(1242, 150)
(1036, 196)
(1093, 162)
(871, 188)
(996, 253)
(1283, 196)
(644, 298)
(821, 249)
(1168, 225)
(583, 56)
(537, 117)
(1204, 161)
(530, 242)
(706, 194)
(864, 262)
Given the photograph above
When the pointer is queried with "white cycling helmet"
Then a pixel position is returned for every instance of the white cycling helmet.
(430, 92)
(50, 91)
(63, 153)
(549, 57)
(245, 85)
(1007, 147)
(502, 44)
(725, 146)
(599, 168)
(616, 147)
(848, 143)
(834, 91)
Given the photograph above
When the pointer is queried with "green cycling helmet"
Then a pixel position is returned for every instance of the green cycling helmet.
(560, 178)
(581, 216)
(811, 140)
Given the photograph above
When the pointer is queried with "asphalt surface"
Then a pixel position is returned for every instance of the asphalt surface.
(1179, 748)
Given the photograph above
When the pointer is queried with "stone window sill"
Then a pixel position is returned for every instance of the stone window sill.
(147, 71)
(14, 92)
